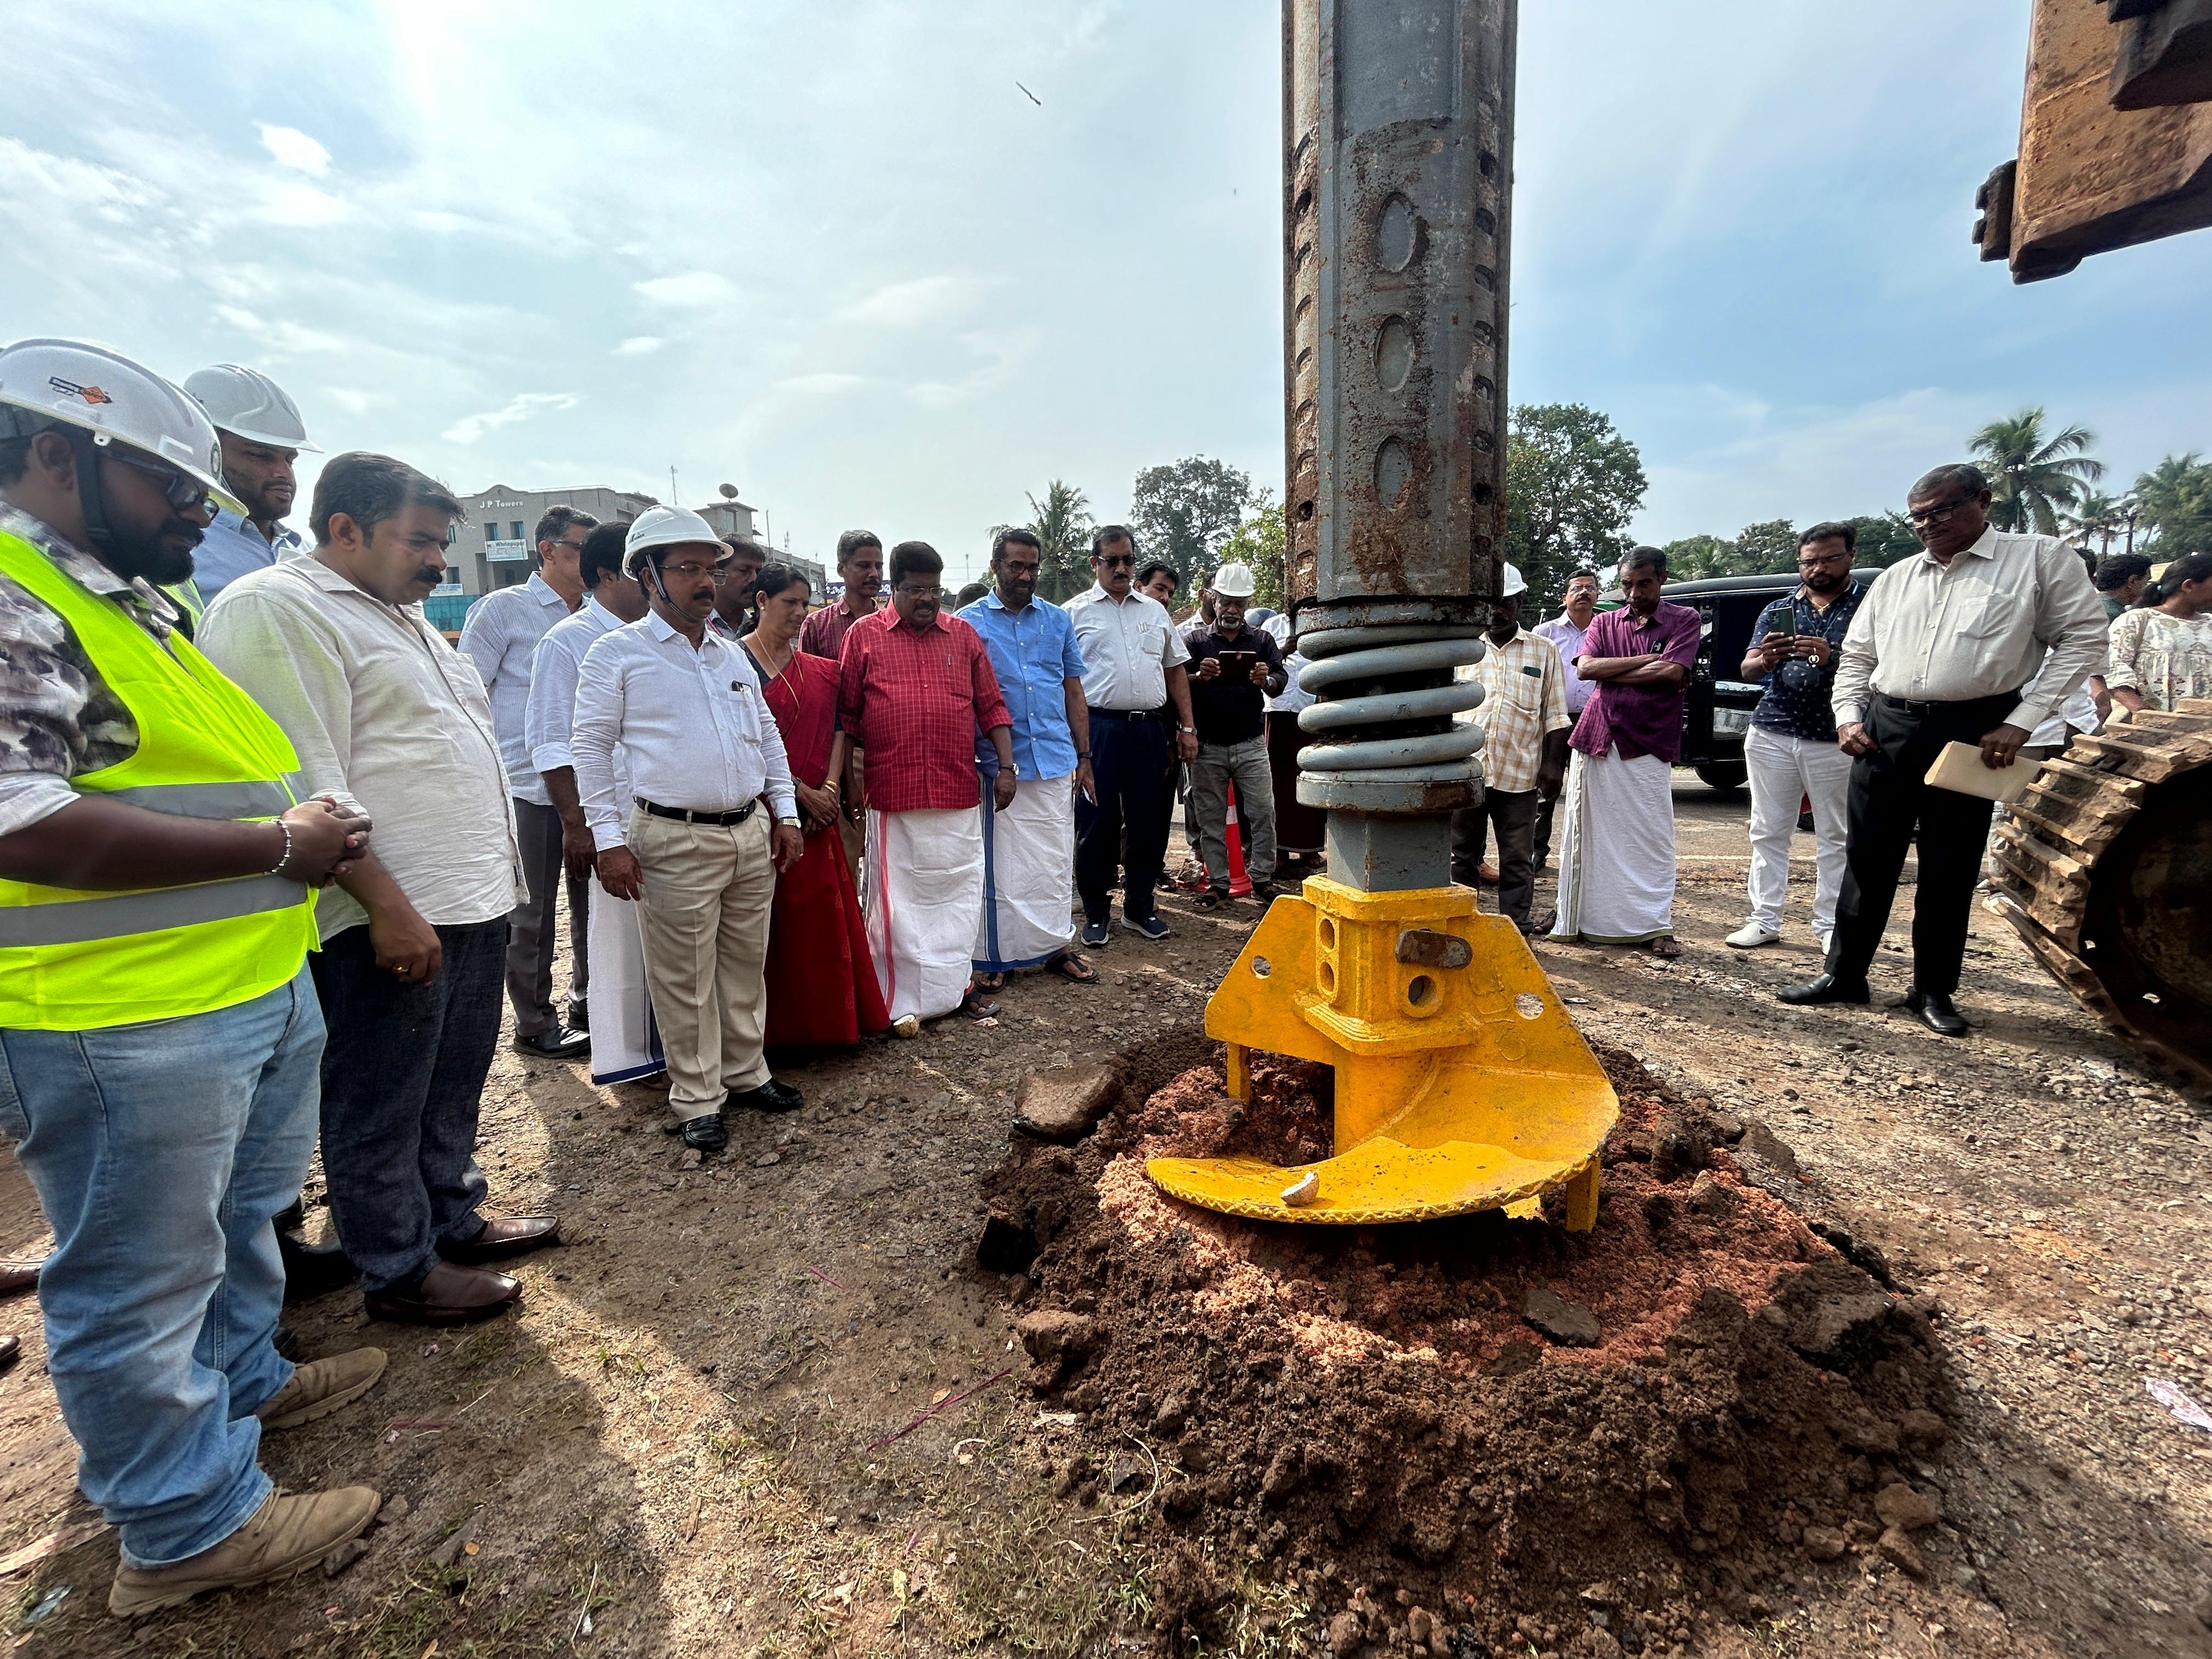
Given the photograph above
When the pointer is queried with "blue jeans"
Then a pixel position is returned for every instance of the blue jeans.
(161, 1152)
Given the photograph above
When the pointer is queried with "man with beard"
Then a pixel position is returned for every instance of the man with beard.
(262, 435)
(414, 940)
(860, 568)
(159, 1036)
(1790, 750)
(733, 589)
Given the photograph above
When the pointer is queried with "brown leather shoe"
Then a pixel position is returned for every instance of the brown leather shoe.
(16, 1277)
(10, 1347)
(286, 1535)
(504, 1235)
(448, 1294)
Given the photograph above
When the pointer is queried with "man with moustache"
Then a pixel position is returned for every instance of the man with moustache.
(860, 568)
(159, 1035)
(1565, 632)
(262, 436)
(709, 819)
(383, 711)
(733, 589)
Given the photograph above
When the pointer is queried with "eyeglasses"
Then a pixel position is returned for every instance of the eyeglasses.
(690, 570)
(574, 547)
(1808, 560)
(1117, 560)
(1932, 515)
(178, 489)
(919, 593)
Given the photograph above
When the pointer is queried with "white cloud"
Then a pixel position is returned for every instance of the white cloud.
(640, 345)
(355, 401)
(290, 147)
(279, 335)
(303, 206)
(697, 289)
(471, 427)
(911, 304)
(827, 383)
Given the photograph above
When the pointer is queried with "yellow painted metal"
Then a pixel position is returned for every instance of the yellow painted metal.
(1457, 1088)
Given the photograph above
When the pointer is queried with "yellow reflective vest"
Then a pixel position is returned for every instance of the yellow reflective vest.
(72, 960)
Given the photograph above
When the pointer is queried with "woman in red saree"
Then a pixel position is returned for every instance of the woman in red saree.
(821, 989)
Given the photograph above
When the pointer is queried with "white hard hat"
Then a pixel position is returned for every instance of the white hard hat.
(117, 401)
(667, 526)
(248, 405)
(1514, 583)
(1234, 581)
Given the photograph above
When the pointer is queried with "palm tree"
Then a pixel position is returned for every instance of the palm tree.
(2098, 517)
(1062, 525)
(2176, 499)
(2034, 477)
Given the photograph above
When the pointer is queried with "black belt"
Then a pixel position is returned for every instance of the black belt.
(1130, 715)
(1906, 705)
(720, 819)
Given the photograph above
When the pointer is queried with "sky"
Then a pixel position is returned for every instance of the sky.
(834, 254)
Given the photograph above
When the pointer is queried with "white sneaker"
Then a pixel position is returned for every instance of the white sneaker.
(1750, 936)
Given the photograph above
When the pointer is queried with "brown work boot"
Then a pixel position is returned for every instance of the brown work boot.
(320, 1387)
(286, 1535)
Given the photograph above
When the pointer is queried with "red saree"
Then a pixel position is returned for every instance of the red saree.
(822, 986)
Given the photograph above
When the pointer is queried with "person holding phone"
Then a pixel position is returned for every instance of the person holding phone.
(1790, 750)
(1235, 669)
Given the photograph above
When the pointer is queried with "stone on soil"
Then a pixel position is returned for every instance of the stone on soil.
(1063, 1105)
(1568, 1323)
(1896, 1546)
(1899, 1506)
(1824, 1543)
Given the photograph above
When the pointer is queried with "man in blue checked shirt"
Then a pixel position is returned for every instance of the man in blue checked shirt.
(1790, 750)
(1029, 846)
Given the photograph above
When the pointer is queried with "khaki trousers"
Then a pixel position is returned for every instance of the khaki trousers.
(704, 915)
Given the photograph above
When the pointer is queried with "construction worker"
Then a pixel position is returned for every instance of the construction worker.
(262, 435)
(160, 1038)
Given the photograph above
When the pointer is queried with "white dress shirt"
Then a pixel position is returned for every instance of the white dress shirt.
(1128, 645)
(382, 709)
(1930, 633)
(554, 667)
(694, 729)
(1291, 698)
(500, 636)
(1568, 639)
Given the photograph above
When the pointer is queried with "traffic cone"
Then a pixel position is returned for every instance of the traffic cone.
(1239, 884)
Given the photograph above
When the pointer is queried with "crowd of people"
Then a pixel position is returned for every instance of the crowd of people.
(276, 860)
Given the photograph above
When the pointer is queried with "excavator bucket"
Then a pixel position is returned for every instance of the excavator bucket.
(1460, 1083)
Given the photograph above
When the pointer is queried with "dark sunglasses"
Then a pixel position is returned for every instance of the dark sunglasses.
(1117, 560)
(181, 491)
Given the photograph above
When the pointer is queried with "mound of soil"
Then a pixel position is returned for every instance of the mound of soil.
(1448, 1437)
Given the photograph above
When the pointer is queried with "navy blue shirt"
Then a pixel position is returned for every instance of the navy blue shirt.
(1795, 702)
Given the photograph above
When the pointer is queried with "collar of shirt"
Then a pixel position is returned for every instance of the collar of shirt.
(1097, 594)
(156, 614)
(662, 630)
(1983, 546)
(543, 593)
(606, 619)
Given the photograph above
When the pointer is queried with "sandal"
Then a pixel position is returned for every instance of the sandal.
(1665, 948)
(976, 1006)
(988, 982)
(1070, 966)
(1209, 900)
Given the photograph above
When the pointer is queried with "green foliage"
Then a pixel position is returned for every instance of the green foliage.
(1183, 512)
(2175, 497)
(1061, 522)
(1261, 541)
(1758, 549)
(1572, 482)
(2035, 477)
(1884, 538)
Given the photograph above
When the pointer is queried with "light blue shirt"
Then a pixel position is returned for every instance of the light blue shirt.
(233, 548)
(1033, 653)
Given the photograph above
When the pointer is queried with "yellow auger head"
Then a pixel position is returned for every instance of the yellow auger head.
(1460, 1083)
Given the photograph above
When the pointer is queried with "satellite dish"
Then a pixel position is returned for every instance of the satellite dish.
(729, 492)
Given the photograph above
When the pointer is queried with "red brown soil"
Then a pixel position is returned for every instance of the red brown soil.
(1363, 1413)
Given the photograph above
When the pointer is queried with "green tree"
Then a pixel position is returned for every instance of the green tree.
(1061, 523)
(2035, 477)
(1183, 512)
(2099, 517)
(1261, 541)
(1572, 482)
(1884, 538)
(1693, 556)
(2175, 499)
(1758, 549)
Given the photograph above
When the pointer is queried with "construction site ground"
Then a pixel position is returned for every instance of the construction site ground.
(701, 1435)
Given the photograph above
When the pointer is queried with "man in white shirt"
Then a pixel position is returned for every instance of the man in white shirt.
(625, 1046)
(501, 637)
(1133, 676)
(1976, 641)
(692, 845)
(1565, 633)
(382, 711)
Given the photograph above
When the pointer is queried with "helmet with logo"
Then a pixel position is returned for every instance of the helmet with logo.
(247, 403)
(668, 527)
(68, 382)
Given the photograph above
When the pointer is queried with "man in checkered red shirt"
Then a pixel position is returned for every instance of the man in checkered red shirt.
(915, 684)
(1524, 753)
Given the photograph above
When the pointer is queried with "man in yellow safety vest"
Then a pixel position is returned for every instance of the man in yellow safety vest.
(160, 1038)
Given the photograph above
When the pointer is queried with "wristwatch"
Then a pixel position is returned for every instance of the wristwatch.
(1083, 754)
(1191, 729)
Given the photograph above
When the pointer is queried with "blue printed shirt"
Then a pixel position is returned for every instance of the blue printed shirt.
(1033, 653)
(1795, 700)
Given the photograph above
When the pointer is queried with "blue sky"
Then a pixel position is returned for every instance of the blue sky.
(831, 253)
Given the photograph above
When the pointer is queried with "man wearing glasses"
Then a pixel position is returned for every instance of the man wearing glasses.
(1133, 673)
(1790, 750)
(501, 637)
(1975, 640)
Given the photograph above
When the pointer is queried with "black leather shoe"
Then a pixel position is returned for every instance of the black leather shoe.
(314, 1270)
(1935, 1011)
(770, 1097)
(1825, 988)
(705, 1135)
(559, 1043)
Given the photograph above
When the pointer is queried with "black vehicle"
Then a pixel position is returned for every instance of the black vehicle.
(1718, 711)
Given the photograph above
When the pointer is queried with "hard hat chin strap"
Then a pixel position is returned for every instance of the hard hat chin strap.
(90, 494)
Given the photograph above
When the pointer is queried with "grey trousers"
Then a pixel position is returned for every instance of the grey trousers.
(1514, 813)
(1245, 764)
(531, 933)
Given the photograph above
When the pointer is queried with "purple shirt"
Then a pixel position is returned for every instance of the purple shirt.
(1637, 720)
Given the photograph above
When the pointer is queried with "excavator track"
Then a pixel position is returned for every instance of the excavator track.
(2104, 867)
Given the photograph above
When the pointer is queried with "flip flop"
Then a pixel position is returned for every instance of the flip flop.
(1070, 966)
(1665, 947)
(1209, 900)
(975, 1008)
(988, 982)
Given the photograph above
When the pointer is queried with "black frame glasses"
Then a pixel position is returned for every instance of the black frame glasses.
(180, 489)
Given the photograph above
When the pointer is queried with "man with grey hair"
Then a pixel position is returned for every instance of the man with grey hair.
(1977, 640)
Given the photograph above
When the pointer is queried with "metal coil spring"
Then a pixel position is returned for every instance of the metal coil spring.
(1345, 669)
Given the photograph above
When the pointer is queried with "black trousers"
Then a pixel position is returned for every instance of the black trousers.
(531, 933)
(1130, 770)
(1889, 808)
(1513, 813)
